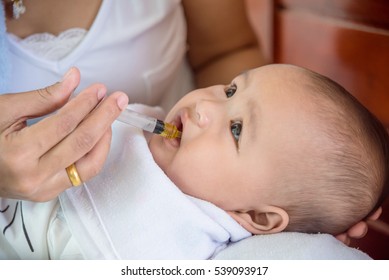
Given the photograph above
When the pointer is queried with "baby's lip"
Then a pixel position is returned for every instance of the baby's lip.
(180, 120)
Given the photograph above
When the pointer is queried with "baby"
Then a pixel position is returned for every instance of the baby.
(280, 148)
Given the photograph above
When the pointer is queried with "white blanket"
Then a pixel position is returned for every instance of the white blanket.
(131, 210)
(291, 246)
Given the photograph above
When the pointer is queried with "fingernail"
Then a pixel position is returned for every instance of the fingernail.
(122, 101)
(67, 74)
(101, 93)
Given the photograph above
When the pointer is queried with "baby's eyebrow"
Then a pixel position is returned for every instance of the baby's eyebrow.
(244, 74)
(253, 120)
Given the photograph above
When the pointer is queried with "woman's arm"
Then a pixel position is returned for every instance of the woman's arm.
(221, 41)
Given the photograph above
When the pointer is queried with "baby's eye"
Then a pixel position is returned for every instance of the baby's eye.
(236, 129)
(230, 90)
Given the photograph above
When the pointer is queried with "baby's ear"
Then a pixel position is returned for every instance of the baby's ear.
(269, 219)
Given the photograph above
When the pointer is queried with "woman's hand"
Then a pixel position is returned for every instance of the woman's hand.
(358, 230)
(33, 158)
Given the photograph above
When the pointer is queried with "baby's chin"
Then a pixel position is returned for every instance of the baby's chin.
(152, 143)
(157, 151)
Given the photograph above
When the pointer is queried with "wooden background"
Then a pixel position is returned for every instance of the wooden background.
(346, 40)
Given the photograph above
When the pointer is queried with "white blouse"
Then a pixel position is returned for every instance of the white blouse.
(135, 46)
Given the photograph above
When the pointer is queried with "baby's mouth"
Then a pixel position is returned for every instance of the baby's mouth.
(176, 142)
(180, 128)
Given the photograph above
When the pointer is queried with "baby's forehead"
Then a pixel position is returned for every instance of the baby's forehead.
(286, 81)
(280, 76)
(285, 70)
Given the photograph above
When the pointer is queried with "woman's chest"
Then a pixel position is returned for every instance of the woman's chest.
(54, 17)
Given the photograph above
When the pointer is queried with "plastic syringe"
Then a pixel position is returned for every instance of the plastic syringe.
(150, 124)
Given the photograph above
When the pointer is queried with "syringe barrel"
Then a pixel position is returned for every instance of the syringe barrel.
(138, 120)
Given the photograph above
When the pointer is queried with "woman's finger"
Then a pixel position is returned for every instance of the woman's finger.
(38, 102)
(90, 165)
(50, 131)
(83, 139)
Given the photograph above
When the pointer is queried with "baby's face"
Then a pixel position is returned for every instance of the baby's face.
(235, 137)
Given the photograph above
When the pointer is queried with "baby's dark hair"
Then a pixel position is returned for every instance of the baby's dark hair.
(347, 178)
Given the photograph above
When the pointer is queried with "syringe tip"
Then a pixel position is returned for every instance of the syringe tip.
(170, 131)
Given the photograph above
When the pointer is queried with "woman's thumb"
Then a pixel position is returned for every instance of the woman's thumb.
(40, 102)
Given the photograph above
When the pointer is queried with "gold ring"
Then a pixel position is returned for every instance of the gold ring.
(73, 175)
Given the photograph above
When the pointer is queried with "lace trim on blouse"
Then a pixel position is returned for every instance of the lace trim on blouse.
(51, 47)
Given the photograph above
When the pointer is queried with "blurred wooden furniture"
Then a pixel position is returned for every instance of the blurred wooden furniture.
(346, 40)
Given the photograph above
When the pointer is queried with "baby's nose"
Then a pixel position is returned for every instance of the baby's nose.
(201, 117)
(206, 112)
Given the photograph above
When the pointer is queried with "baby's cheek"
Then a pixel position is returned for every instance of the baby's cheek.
(157, 151)
(177, 177)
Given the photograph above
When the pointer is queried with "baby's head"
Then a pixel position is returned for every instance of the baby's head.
(280, 148)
